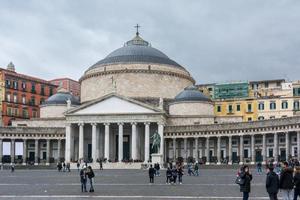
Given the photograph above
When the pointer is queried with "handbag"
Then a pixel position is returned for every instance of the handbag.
(239, 180)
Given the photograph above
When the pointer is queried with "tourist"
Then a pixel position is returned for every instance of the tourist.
(68, 167)
(196, 169)
(151, 174)
(90, 175)
(272, 183)
(64, 166)
(157, 168)
(169, 175)
(190, 170)
(297, 183)
(83, 179)
(101, 164)
(286, 182)
(78, 165)
(180, 174)
(259, 168)
(247, 178)
(174, 175)
(12, 167)
(59, 166)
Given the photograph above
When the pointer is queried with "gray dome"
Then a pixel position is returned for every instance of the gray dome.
(136, 50)
(61, 98)
(191, 93)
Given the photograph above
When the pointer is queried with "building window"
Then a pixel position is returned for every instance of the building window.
(296, 105)
(238, 107)
(9, 111)
(8, 97)
(270, 141)
(15, 111)
(234, 142)
(246, 141)
(261, 106)
(266, 84)
(34, 114)
(249, 107)
(278, 84)
(230, 110)
(33, 88)
(25, 113)
(270, 152)
(284, 105)
(42, 101)
(15, 83)
(42, 90)
(249, 119)
(261, 118)
(7, 83)
(15, 98)
(32, 101)
(23, 86)
(50, 91)
(272, 105)
(272, 117)
(23, 99)
(258, 141)
(218, 108)
(282, 140)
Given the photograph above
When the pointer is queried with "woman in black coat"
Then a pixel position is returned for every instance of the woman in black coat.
(247, 178)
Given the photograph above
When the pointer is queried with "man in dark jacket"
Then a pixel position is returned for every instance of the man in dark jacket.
(297, 182)
(151, 174)
(286, 182)
(246, 187)
(272, 183)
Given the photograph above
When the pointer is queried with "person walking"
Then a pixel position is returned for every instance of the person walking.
(297, 183)
(286, 182)
(196, 169)
(180, 174)
(174, 175)
(83, 179)
(272, 183)
(245, 188)
(64, 166)
(157, 168)
(68, 167)
(168, 175)
(90, 174)
(259, 168)
(151, 174)
(101, 164)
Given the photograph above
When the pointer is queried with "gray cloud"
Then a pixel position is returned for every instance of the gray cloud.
(215, 40)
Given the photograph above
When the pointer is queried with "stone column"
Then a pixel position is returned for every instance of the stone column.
(81, 142)
(230, 150)
(241, 149)
(196, 155)
(24, 152)
(162, 141)
(120, 158)
(94, 142)
(264, 153)
(174, 149)
(67, 144)
(252, 150)
(207, 151)
(58, 149)
(219, 150)
(185, 149)
(1, 151)
(36, 152)
(298, 145)
(48, 152)
(12, 150)
(276, 147)
(106, 143)
(287, 146)
(134, 141)
(147, 141)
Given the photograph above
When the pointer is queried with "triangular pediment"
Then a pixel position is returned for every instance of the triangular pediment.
(113, 104)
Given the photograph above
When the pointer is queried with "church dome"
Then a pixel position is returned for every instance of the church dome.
(191, 93)
(61, 97)
(136, 50)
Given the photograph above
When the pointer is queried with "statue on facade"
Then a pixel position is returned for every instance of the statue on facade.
(155, 142)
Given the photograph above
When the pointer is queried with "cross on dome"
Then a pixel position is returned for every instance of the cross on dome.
(137, 26)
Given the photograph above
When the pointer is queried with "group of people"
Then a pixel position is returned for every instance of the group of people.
(63, 167)
(288, 181)
(172, 173)
(86, 173)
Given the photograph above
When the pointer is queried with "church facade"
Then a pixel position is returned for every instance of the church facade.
(133, 94)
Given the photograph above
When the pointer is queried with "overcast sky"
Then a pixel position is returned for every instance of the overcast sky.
(216, 41)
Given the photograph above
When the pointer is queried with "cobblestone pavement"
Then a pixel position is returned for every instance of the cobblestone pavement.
(124, 184)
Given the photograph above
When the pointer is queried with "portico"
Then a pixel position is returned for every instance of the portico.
(99, 131)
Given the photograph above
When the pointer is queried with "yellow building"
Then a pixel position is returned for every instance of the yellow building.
(245, 108)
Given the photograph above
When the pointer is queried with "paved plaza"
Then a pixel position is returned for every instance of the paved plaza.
(124, 184)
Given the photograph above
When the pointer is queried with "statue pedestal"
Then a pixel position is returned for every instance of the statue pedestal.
(157, 158)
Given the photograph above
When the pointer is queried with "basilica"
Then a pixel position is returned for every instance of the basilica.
(133, 93)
